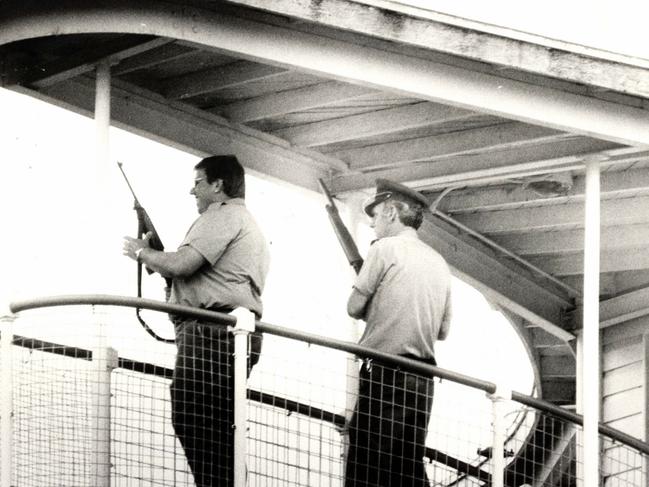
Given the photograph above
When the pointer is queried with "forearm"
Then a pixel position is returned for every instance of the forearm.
(182, 263)
(164, 263)
(357, 305)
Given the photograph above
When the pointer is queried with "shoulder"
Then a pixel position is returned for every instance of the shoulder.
(227, 212)
(391, 244)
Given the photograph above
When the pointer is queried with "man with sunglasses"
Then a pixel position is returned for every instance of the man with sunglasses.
(221, 265)
(403, 294)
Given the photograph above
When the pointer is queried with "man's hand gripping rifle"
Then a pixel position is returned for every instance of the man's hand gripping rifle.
(145, 229)
(344, 237)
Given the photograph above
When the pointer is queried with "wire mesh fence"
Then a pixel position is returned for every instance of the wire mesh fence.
(301, 402)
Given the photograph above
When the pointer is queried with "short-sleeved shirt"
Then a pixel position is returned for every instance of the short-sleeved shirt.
(237, 256)
(407, 284)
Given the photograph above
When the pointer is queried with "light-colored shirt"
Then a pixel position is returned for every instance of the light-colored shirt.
(407, 284)
(237, 256)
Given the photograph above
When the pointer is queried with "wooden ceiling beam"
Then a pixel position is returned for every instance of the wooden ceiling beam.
(472, 169)
(616, 260)
(163, 54)
(86, 60)
(515, 194)
(501, 136)
(613, 283)
(189, 129)
(381, 122)
(301, 99)
(624, 308)
(621, 211)
(619, 309)
(220, 77)
(535, 243)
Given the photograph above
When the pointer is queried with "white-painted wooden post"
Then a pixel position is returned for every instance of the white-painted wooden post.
(498, 400)
(104, 360)
(6, 400)
(245, 325)
(102, 242)
(591, 353)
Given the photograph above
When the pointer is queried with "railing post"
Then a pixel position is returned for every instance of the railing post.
(498, 399)
(104, 361)
(245, 325)
(6, 400)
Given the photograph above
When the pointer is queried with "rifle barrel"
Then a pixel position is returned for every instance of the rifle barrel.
(128, 183)
(327, 193)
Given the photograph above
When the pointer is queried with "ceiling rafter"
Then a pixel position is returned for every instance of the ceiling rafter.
(535, 243)
(613, 212)
(473, 169)
(217, 78)
(500, 136)
(380, 122)
(86, 60)
(515, 194)
(301, 99)
(613, 283)
(616, 260)
(163, 54)
(190, 129)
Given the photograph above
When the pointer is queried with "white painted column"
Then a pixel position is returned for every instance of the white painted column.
(101, 242)
(103, 356)
(102, 120)
(104, 360)
(245, 325)
(590, 399)
(498, 400)
(6, 401)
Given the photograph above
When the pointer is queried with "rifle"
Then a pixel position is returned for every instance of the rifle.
(344, 237)
(144, 226)
(144, 223)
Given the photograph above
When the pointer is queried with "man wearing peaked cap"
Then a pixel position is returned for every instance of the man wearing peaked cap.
(403, 294)
(386, 189)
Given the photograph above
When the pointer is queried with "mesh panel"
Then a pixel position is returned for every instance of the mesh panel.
(311, 422)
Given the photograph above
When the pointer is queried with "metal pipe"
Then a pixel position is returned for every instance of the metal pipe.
(591, 354)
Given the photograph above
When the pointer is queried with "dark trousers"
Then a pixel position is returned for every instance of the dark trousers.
(387, 432)
(202, 405)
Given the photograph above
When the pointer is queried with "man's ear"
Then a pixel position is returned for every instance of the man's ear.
(391, 212)
(218, 185)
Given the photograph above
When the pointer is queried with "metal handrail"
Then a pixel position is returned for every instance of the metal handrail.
(358, 350)
(292, 406)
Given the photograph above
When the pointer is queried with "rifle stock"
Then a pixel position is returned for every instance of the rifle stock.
(145, 225)
(344, 237)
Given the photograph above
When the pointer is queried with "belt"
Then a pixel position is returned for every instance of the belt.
(367, 363)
